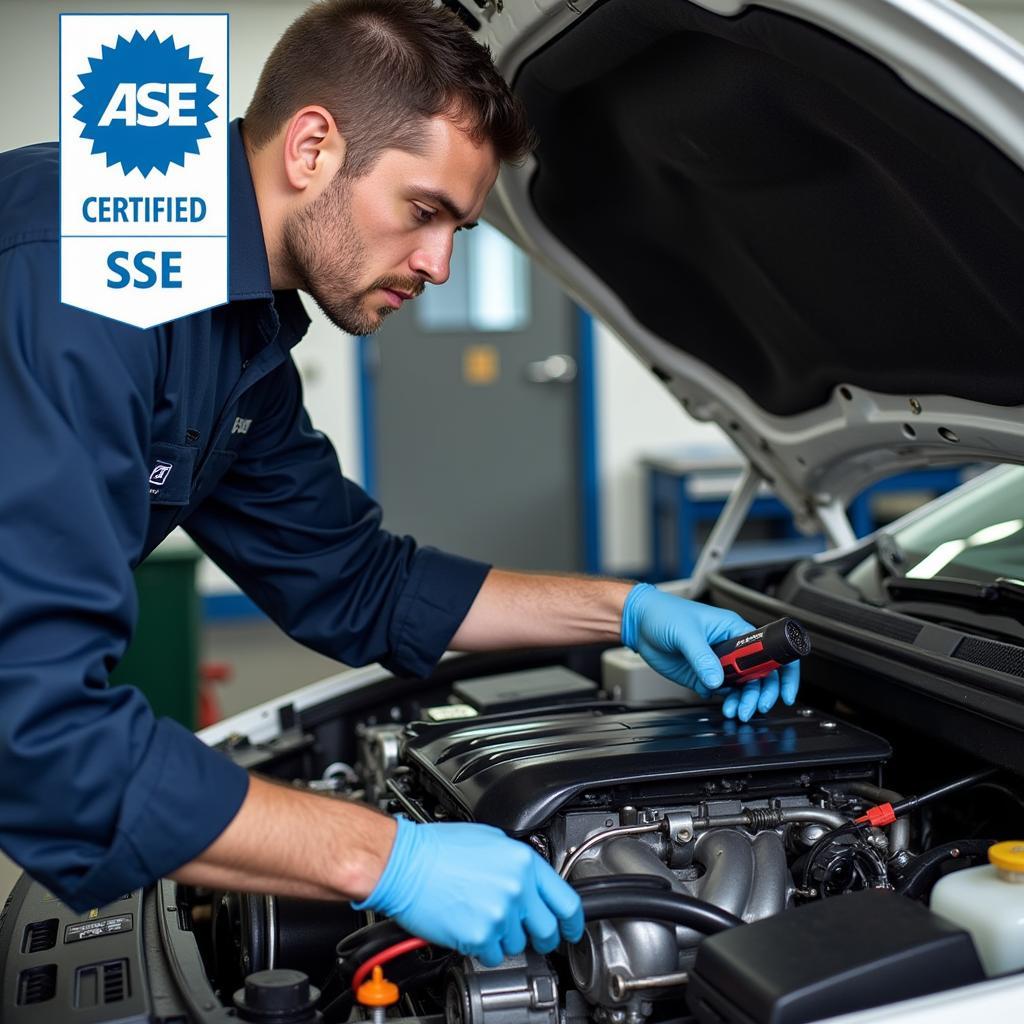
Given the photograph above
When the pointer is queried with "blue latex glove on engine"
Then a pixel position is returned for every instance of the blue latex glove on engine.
(674, 637)
(471, 888)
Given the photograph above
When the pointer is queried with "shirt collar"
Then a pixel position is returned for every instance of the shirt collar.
(250, 272)
(249, 276)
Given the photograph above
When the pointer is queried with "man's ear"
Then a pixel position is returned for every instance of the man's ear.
(314, 149)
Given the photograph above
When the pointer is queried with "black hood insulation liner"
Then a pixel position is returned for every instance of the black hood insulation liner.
(780, 205)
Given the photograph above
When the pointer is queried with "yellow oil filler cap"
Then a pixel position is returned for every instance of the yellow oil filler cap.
(1008, 856)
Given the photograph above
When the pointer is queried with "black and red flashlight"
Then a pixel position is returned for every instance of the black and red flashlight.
(761, 651)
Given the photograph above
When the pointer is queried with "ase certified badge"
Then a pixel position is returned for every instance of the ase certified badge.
(143, 161)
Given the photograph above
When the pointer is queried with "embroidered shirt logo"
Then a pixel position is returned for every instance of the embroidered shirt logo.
(241, 426)
(161, 471)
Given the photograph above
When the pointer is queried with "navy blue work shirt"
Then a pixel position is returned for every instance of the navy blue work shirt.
(110, 437)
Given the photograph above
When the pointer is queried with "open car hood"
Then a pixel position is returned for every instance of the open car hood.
(806, 218)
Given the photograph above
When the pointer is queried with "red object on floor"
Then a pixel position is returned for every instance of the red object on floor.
(211, 675)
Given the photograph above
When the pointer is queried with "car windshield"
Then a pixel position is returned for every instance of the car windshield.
(976, 535)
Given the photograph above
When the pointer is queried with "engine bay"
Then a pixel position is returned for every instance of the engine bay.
(678, 827)
(779, 871)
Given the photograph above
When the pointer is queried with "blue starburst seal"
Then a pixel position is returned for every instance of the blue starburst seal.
(145, 103)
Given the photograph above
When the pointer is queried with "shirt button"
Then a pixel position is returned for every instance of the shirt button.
(245, 364)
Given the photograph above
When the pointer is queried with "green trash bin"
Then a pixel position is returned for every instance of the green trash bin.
(162, 659)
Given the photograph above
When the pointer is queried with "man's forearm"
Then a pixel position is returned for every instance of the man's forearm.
(290, 842)
(524, 610)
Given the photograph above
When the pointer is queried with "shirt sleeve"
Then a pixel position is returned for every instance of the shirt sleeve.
(97, 796)
(306, 544)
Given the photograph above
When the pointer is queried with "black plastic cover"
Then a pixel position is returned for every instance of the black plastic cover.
(516, 770)
(512, 691)
(94, 972)
(843, 954)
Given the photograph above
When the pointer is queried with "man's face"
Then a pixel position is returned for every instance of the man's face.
(364, 246)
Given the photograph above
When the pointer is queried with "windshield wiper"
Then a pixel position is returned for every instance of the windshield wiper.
(999, 595)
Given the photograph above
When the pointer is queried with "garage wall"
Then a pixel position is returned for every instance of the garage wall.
(636, 414)
(637, 417)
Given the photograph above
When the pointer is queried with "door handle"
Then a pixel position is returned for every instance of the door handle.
(556, 369)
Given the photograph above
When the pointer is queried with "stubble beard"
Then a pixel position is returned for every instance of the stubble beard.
(324, 253)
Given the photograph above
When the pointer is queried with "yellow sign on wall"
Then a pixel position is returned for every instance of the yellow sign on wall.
(481, 364)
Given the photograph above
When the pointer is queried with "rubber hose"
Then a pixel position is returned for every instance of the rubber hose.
(615, 883)
(649, 905)
(603, 901)
(403, 973)
(372, 938)
(353, 950)
(954, 786)
(339, 1008)
(921, 873)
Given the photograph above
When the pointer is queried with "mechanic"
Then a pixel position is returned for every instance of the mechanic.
(376, 131)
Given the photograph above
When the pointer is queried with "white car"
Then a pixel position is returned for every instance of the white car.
(807, 218)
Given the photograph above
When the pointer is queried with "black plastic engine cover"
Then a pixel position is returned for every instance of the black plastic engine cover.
(516, 770)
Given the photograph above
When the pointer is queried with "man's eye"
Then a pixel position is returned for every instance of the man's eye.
(423, 214)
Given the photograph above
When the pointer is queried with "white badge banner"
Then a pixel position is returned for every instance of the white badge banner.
(144, 164)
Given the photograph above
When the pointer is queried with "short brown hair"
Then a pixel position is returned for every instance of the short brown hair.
(380, 67)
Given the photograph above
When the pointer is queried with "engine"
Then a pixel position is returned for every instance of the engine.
(630, 801)
(704, 806)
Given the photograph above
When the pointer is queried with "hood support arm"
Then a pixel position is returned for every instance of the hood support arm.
(723, 534)
(835, 523)
(832, 516)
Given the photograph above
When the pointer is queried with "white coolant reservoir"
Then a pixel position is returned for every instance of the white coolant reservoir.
(988, 901)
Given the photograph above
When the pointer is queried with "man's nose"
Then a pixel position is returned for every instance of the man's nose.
(433, 261)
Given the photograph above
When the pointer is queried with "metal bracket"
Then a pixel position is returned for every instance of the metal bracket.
(836, 523)
(680, 827)
(723, 533)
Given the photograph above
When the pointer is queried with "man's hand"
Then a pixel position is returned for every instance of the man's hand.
(471, 888)
(674, 637)
(672, 634)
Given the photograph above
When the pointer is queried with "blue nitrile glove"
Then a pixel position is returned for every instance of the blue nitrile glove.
(471, 888)
(674, 637)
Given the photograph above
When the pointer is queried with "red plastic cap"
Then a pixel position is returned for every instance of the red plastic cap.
(878, 816)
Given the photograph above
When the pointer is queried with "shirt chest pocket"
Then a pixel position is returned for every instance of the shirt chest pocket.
(173, 497)
(170, 478)
(173, 479)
